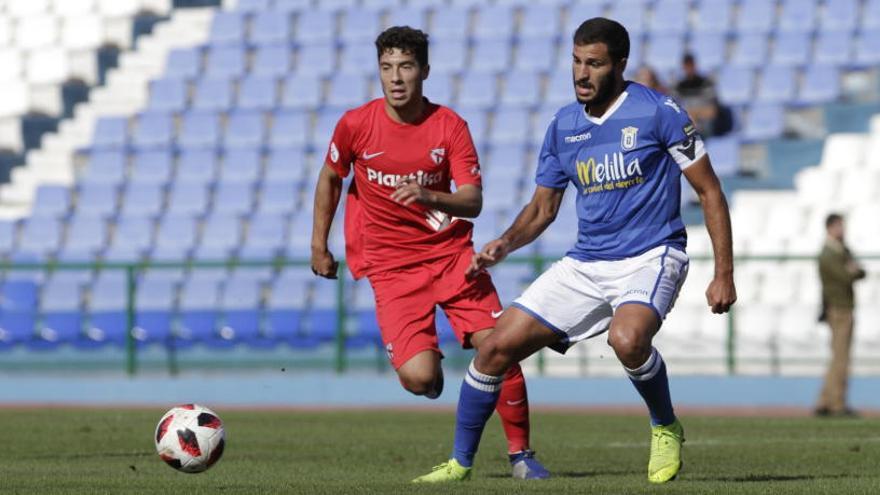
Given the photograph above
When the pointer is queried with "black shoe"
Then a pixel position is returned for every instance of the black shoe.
(822, 412)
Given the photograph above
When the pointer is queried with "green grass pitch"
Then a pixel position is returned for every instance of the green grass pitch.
(92, 451)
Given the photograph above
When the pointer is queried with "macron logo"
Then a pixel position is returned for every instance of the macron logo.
(578, 138)
(421, 177)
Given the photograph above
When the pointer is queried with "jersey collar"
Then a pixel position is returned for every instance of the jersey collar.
(608, 113)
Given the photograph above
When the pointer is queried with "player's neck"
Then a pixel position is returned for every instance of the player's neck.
(407, 114)
(597, 110)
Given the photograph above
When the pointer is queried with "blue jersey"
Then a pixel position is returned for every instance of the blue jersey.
(626, 168)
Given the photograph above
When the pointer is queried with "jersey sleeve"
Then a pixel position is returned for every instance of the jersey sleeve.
(550, 172)
(678, 134)
(340, 154)
(464, 165)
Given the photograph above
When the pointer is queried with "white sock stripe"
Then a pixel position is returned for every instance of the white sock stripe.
(646, 366)
(483, 387)
(483, 378)
(648, 370)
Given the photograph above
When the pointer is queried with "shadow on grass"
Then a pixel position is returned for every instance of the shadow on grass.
(574, 474)
(762, 478)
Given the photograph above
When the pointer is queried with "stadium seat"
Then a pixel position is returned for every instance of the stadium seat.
(60, 311)
(285, 164)
(712, 16)
(448, 56)
(322, 316)
(539, 22)
(133, 236)
(764, 121)
(494, 22)
(665, 52)
(839, 16)
(225, 62)
(271, 61)
(227, 28)
(756, 16)
(669, 16)
(221, 235)
(8, 236)
(736, 85)
(579, 12)
(510, 127)
(199, 129)
(240, 314)
(269, 27)
(110, 133)
(724, 152)
(819, 84)
(490, 55)
(439, 88)
(183, 63)
(96, 199)
(213, 94)
(868, 48)
(559, 91)
(314, 27)
(358, 59)
(151, 167)
(257, 92)
(791, 48)
(197, 310)
(85, 238)
(302, 92)
(347, 91)
(278, 195)
(105, 167)
(521, 89)
(233, 197)
(187, 198)
(709, 49)
(630, 13)
(452, 23)
(833, 48)
(360, 26)
(51, 201)
(292, 5)
(153, 130)
(478, 90)
(196, 167)
(477, 121)
(316, 60)
(364, 332)
(245, 129)
(143, 199)
(265, 234)
(777, 85)
(154, 309)
(106, 318)
(243, 165)
(535, 55)
(413, 15)
(286, 305)
(798, 16)
(750, 50)
(18, 311)
(253, 6)
(290, 129)
(324, 126)
(175, 237)
(168, 95)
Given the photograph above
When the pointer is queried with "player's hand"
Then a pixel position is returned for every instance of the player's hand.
(491, 255)
(323, 264)
(721, 294)
(409, 191)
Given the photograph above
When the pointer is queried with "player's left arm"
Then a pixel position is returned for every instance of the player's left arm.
(465, 202)
(721, 293)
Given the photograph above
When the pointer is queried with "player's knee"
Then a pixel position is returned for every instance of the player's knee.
(422, 383)
(493, 357)
(629, 346)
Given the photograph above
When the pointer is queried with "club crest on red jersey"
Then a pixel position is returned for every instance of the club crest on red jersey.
(438, 154)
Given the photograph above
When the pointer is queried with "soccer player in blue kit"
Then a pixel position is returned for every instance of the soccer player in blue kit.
(624, 147)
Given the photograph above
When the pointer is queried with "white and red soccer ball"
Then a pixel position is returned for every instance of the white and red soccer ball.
(190, 438)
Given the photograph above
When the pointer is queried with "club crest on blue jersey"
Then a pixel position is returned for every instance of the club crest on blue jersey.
(628, 136)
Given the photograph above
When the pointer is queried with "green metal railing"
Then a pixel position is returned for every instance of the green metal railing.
(340, 360)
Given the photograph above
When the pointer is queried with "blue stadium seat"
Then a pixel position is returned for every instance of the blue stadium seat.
(197, 311)
(348, 90)
(213, 93)
(451, 23)
(200, 129)
(168, 95)
(302, 92)
(175, 237)
(240, 301)
(521, 89)
(560, 236)
(253, 6)
(143, 199)
(448, 56)
(560, 89)
(225, 62)
(580, 12)
(360, 26)
(278, 196)
(839, 16)
(798, 16)
(86, 237)
(270, 27)
(221, 234)
(324, 127)
(539, 22)
(132, 237)
(713, 16)
(868, 48)
(510, 127)
(439, 88)
(285, 164)
(227, 28)
(265, 234)
(105, 167)
(271, 60)
(494, 22)
(870, 16)
(791, 48)
(665, 51)
(777, 85)
(756, 16)
(736, 85)
(60, 311)
(257, 92)
(286, 305)
(292, 5)
(408, 15)
(51, 201)
(151, 167)
(477, 121)
(245, 129)
(242, 165)
(106, 318)
(820, 84)
(833, 48)
(669, 17)
(154, 309)
(315, 26)
(316, 60)
(183, 63)
(18, 311)
(196, 167)
(110, 133)
(153, 130)
(764, 121)
(490, 55)
(358, 59)
(187, 198)
(8, 236)
(535, 55)
(290, 129)
(724, 153)
(511, 280)
(233, 197)
(477, 90)
(750, 50)
(364, 332)
(710, 50)
(630, 13)
(321, 317)
(96, 200)
(298, 246)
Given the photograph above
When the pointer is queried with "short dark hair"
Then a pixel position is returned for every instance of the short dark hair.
(602, 30)
(833, 218)
(407, 39)
(688, 58)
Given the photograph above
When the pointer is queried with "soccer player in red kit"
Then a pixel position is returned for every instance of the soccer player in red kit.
(404, 228)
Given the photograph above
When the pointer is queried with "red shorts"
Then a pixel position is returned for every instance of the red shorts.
(406, 299)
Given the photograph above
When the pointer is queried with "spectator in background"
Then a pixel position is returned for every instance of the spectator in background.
(648, 78)
(698, 95)
(837, 271)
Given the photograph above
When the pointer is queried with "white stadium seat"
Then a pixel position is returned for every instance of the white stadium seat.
(25, 8)
(15, 99)
(68, 8)
(842, 151)
(10, 60)
(82, 32)
(36, 32)
(118, 8)
(47, 66)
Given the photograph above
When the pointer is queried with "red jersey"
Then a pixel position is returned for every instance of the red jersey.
(381, 234)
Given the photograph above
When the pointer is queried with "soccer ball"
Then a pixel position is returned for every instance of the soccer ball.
(190, 438)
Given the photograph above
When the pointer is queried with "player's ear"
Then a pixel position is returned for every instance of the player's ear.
(621, 65)
(426, 69)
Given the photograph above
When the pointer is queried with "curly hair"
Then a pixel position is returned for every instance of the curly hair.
(602, 30)
(407, 39)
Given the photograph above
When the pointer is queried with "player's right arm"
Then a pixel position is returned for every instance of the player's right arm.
(327, 193)
(534, 218)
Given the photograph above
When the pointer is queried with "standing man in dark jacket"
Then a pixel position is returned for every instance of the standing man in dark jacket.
(838, 270)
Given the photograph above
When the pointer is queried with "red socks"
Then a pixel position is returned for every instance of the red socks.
(513, 409)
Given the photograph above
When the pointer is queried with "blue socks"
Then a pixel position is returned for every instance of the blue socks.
(653, 385)
(478, 397)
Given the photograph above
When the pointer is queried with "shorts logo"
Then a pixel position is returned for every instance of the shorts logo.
(334, 152)
(636, 292)
(628, 138)
(389, 351)
(497, 314)
(438, 154)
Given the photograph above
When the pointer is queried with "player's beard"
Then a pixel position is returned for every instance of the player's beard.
(604, 90)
